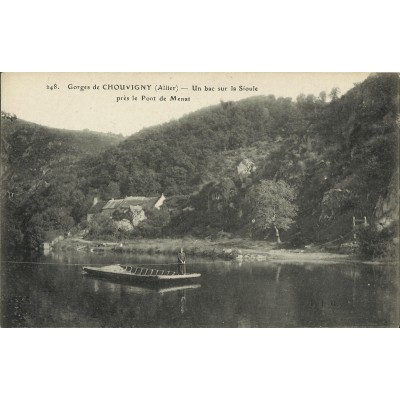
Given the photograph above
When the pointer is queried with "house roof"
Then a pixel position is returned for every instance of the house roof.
(130, 201)
(113, 204)
(127, 202)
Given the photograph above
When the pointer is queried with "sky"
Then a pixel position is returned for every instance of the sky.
(58, 100)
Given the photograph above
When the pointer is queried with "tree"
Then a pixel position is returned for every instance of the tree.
(273, 206)
(101, 225)
(334, 94)
(111, 191)
(322, 97)
(229, 190)
(155, 222)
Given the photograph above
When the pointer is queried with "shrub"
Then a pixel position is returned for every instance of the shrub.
(101, 225)
(373, 243)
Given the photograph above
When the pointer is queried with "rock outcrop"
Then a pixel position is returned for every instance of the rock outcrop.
(387, 208)
(245, 168)
(332, 202)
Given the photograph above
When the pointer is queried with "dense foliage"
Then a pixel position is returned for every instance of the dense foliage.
(41, 191)
(374, 243)
(337, 157)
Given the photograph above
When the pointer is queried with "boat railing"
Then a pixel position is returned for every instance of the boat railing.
(146, 271)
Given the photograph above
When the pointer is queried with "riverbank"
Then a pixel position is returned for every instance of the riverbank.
(229, 249)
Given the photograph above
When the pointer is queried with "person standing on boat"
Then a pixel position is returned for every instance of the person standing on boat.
(181, 262)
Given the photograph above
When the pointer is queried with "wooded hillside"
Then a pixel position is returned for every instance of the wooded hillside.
(337, 153)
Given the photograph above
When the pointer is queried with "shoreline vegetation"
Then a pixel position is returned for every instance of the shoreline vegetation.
(231, 250)
(319, 173)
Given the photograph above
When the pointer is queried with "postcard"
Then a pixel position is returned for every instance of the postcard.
(199, 200)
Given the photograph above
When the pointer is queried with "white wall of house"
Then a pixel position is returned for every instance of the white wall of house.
(160, 201)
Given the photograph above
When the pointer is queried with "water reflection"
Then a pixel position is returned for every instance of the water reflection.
(180, 288)
(231, 295)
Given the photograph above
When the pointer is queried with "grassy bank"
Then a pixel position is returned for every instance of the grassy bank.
(230, 249)
(192, 247)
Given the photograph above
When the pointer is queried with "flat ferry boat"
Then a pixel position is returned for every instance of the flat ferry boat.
(139, 274)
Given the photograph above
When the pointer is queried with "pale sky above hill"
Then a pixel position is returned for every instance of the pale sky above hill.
(29, 96)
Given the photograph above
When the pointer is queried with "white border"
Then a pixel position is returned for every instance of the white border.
(207, 36)
(199, 364)
(234, 36)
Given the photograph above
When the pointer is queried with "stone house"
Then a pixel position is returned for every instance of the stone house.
(131, 209)
(96, 208)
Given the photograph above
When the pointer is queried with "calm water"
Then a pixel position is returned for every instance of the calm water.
(228, 295)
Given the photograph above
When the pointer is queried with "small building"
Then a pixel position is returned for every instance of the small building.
(136, 205)
(96, 208)
(51, 238)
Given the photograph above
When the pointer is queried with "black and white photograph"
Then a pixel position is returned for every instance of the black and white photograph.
(199, 200)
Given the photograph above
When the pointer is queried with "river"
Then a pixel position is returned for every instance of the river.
(52, 291)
